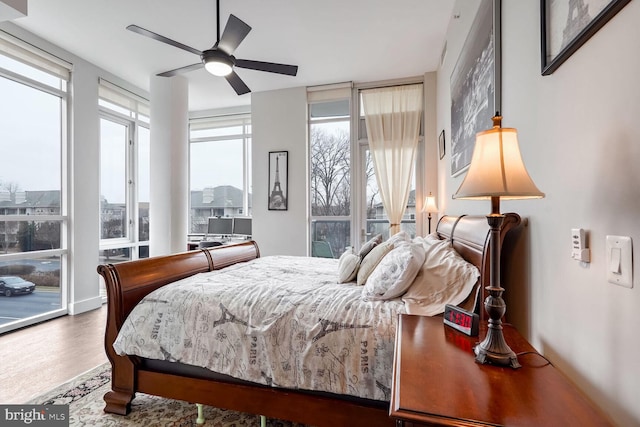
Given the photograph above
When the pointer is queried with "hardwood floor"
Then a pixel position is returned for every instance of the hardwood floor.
(37, 358)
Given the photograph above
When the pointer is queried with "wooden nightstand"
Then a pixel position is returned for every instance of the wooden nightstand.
(436, 382)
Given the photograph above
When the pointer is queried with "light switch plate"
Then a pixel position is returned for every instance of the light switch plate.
(619, 261)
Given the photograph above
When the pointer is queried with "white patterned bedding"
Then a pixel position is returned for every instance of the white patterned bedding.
(282, 321)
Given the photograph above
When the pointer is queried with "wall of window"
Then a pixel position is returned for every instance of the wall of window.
(124, 175)
(330, 175)
(345, 205)
(219, 169)
(376, 219)
(33, 189)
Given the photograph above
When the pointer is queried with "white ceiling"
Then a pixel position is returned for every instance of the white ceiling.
(330, 40)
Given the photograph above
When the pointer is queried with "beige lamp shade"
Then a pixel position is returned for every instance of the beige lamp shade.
(430, 204)
(496, 172)
(497, 169)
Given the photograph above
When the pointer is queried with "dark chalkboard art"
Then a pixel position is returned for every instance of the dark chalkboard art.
(475, 84)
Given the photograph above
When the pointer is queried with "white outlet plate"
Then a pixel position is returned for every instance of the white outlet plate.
(619, 261)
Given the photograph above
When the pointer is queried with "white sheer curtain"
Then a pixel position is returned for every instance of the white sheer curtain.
(392, 116)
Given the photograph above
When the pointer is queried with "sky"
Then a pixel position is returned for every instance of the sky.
(216, 163)
(29, 137)
(30, 140)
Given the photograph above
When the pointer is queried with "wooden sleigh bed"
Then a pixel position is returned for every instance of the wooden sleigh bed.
(127, 283)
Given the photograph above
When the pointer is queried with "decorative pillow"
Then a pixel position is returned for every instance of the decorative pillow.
(399, 238)
(428, 240)
(432, 238)
(348, 266)
(368, 263)
(395, 272)
(369, 245)
(445, 278)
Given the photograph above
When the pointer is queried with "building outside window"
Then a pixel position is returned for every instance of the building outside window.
(33, 190)
(219, 169)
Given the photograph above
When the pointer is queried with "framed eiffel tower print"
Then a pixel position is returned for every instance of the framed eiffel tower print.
(278, 180)
(568, 24)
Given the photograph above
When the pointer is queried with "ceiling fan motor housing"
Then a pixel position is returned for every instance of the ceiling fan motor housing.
(217, 62)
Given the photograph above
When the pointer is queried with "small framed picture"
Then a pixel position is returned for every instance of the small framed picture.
(441, 144)
(278, 180)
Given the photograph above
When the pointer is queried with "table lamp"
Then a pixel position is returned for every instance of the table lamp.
(430, 207)
(496, 172)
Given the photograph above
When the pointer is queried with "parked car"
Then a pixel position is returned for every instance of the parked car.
(14, 285)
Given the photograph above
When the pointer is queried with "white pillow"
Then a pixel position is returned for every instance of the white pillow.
(432, 238)
(399, 238)
(369, 262)
(445, 278)
(395, 273)
(428, 240)
(348, 266)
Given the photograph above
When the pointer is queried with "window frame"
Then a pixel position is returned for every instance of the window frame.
(313, 219)
(132, 116)
(363, 146)
(359, 146)
(42, 61)
(222, 121)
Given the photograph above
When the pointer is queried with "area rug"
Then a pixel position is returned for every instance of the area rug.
(84, 394)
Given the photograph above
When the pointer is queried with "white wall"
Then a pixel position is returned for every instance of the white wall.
(84, 190)
(579, 136)
(431, 133)
(279, 123)
(169, 172)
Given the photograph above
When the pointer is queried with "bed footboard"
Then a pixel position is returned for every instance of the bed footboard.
(128, 282)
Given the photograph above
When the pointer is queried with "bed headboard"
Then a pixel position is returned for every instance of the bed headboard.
(128, 282)
(469, 235)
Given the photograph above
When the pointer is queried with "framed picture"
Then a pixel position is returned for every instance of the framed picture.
(475, 84)
(567, 24)
(441, 144)
(278, 180)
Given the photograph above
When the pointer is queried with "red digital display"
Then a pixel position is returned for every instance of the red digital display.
(461, 320)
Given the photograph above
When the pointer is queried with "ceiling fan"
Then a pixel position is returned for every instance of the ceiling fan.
(219, 59)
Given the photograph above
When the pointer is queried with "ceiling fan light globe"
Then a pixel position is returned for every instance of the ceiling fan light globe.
(218, 68)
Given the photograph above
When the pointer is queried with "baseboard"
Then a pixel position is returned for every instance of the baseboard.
(85, 305)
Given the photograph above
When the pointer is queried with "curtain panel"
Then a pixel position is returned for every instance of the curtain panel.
(392, 117)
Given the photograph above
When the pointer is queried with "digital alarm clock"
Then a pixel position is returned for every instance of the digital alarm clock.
(462, 320)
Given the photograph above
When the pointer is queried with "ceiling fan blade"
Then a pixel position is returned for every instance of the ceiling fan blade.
(270, 67)
(181, 70)
(237, 84)
(162, 39)
(234, 32)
